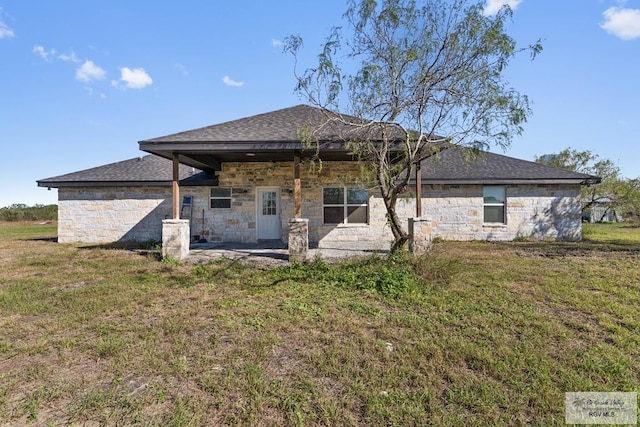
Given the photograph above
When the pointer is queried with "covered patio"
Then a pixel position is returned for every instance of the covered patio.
(292, 135)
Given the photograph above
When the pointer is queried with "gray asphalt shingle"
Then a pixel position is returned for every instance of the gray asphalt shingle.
(456, 164)
(143, 169)
(277, 126)
(450, 166)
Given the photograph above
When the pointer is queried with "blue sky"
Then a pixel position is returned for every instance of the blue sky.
(82, 81)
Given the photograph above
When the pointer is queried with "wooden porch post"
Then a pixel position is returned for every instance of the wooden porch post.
(296, 186)
(418, 191)
(176, 187)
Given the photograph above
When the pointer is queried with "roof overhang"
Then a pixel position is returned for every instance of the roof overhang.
(191, 181)
(210, 156)
(490, 181)
(59, 184)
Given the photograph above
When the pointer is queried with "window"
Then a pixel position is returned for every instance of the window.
(269, 203)
(220, 198)
(344, 205)
(494, 197)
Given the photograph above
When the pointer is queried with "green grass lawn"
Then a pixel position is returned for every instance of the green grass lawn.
(474, 334)
(10, 231)
(611, 232)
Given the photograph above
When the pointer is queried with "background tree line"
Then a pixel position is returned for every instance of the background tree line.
(616, 194)
(22, 212)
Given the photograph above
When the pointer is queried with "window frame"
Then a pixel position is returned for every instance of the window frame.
(502, 204)
(212, 198)
(272, 209)
(345, 206)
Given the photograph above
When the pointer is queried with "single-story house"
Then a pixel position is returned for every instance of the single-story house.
(243, 180)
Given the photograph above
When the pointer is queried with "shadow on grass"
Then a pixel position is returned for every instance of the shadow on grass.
(41, 239)
(146, 249)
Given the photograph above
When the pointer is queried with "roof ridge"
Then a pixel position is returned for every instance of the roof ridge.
(233, 121)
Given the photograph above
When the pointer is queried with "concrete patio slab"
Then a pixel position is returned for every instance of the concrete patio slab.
(276, 253)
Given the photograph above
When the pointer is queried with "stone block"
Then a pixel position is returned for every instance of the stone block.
(298, 239)
(175, 238)
(420, 235)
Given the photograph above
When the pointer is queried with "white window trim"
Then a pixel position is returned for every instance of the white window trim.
(503, 205)
(230, 198)
(345, 207)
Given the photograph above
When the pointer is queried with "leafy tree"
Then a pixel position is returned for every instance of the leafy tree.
(410, 76)
(615, 193)
(22, 212)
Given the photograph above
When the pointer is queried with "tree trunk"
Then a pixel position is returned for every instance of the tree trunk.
(400, 236)
(390, 197)
(389, 194)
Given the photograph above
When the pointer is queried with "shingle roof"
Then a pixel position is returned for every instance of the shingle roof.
(277, 126)
(146, 170)
(274, 137)
(458, 165)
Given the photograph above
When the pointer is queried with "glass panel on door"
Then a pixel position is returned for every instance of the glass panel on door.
(269, 203)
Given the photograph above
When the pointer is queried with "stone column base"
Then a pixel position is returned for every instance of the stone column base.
(175, 238)
(298, 239)
(420, 235)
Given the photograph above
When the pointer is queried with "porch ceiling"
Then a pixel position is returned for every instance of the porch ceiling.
(211, 156)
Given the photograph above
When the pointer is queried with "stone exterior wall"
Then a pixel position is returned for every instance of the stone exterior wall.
(536, 211)
(456, 212)
(112, 214)
(239, 223)
(533, 211)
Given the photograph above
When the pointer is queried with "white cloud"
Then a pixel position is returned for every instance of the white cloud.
(276, 43)
(493, 6)
(5, 31)
(69, 58)
(182, 69)
(89, 71)
(91, 92)
(622, 23)
(229, 82)
(136, 78)
(44, 53)
(49, 55)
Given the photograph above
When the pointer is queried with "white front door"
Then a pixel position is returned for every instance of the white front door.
(268, 213)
